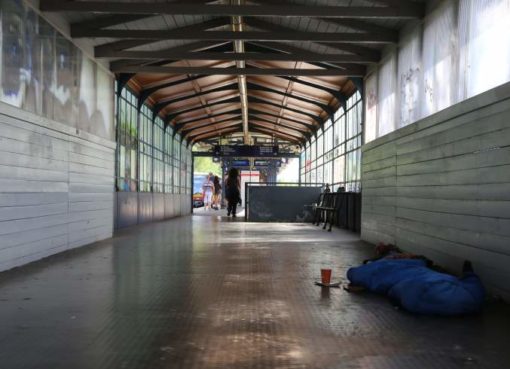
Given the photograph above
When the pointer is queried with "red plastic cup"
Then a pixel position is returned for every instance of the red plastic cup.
(326, 276)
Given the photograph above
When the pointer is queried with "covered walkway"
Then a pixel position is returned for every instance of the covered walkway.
(204, 292)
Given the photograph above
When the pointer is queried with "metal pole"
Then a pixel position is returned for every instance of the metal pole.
(192, 176)
(247, 201)
(237, 26)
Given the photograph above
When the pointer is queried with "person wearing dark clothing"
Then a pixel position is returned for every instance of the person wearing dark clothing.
(217, 193)
(232, 191)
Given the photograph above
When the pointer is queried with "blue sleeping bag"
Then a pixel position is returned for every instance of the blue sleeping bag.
(419, 289)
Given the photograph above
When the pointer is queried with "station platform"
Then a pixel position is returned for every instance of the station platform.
(205, 292)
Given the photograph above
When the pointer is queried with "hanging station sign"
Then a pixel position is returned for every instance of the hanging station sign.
(267, 163)
(245, 151)
(240, 163)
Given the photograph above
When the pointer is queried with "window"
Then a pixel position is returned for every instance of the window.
(168, 160)
(183, 167)
(177, 163)
(158, 162)
(145, 149)
(149, 158)
(334, 158)
(127, 173)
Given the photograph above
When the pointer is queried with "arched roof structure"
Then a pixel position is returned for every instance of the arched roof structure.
(211, 68)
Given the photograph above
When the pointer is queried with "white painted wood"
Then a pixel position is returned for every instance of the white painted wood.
(27, 198)
(497, 191)
(380, 164)
(449, 195)
(56, 187)
(29, 236)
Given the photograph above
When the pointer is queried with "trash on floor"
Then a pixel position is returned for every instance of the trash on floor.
(334, 284)
(410, 282)
(326, 279)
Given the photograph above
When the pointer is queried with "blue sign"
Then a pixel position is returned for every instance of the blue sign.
(240, 163)
(245, 151)
(267, 163)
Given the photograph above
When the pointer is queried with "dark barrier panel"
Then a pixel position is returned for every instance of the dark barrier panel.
(280, 203)
(127, 209)
(349, 211)
(169, 206)
(144, 207)
(137, 208)
(158, 206)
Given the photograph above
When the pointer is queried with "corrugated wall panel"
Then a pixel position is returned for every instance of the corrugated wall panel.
(441, 187)
(56, 187)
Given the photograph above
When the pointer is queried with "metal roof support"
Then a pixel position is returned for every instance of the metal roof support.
(344, 37)
(328, 109)
(254, 86)
(295, 134)
(236, 118)
(305, 133)
(337, 94)
(213, 134)
(111, 47)
(171, 117)
(237, 125)
(278, 134)
(181, 125)
(358, 82)
(167, 56)
(256, 100)
(145, 93)
(357, 71)
(237, 26)
(406, 10)
(141, 56)
(256, 112)
(160, 106)
(122, 81)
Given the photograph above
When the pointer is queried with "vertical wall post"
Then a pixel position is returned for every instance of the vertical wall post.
(164, 158)
(152, 156)
(299, 174)
(192, 179)
(117, 138)
(139, 139)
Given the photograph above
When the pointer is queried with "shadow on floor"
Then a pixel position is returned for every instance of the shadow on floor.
(201, 292)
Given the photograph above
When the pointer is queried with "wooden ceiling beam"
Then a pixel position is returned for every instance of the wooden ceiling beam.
(348, 72)
(185, 130)
(399, 11)
(170, 117)
(357, 49)
(211, 127)
(197, 35)
(214, 134)
(277, 127)
(135, 42)
(258, 100)
(278, 134)
(255, 112)
(305, 131)
(228, 56)
(182, 124)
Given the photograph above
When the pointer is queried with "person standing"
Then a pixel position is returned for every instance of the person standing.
(232, 191)
(207, 191)
(217, 193)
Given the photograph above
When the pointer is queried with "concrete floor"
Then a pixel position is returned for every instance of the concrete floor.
(207, 292)
(220, 212)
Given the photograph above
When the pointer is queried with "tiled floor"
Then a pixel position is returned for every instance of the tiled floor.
(207, 292)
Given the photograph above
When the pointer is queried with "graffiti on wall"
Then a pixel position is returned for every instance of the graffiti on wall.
(43, 72)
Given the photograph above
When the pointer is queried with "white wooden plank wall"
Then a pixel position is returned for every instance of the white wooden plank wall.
(441, 187)
(56, 187)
